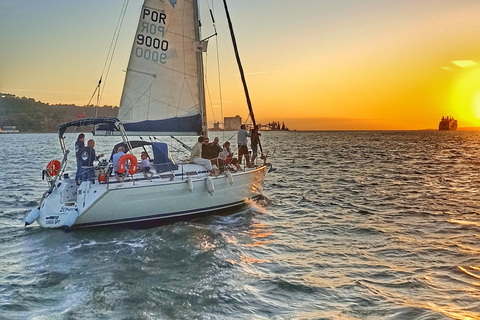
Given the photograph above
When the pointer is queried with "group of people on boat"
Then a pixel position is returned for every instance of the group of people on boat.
(144, 166)
(212, 154)
(209, 154)
(85, 157)
(242, 140)
(214, 157)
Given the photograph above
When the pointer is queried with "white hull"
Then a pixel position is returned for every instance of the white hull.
(142, 200)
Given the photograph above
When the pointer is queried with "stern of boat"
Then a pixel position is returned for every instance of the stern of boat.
(59, 208)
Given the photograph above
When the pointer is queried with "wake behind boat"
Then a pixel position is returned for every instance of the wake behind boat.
(163, 95)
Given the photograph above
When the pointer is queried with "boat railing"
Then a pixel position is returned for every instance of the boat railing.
(103, 171)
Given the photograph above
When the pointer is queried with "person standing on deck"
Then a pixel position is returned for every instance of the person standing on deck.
(254, 141)
(242, 136)
(79, 145)
(88, 156)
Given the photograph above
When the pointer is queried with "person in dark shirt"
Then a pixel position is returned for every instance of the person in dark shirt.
(206, 149)
(254, 141)
(215, 150)
(87, 156)
(79, 145)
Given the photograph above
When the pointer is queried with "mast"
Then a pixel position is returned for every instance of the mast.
(201, 89)
(240, 68)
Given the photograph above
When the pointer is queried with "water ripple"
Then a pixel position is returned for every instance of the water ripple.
(353, 225)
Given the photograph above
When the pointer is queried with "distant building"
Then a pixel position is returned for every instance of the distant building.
(8, 129)
(232, 123)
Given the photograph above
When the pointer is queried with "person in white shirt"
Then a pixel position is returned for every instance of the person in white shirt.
(226, 151)
(196, 155)
(242, 136)
(145, 165)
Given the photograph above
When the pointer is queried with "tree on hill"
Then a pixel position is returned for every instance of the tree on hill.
(29, 115)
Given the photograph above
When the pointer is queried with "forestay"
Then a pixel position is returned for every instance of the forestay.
(163, 90)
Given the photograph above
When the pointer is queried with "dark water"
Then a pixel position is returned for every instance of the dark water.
(356, 225)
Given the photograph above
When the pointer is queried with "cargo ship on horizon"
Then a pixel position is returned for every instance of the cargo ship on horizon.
(447, 124)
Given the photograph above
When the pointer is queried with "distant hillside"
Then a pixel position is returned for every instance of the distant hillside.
(29, 115)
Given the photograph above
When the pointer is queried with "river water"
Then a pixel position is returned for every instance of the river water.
(354, 225)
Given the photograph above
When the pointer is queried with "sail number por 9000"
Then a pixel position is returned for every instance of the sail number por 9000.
(151, 42)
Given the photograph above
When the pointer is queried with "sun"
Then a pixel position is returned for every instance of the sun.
(476, 104)
(465, 95)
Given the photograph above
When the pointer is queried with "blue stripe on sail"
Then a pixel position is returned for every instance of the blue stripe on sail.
(183, 124)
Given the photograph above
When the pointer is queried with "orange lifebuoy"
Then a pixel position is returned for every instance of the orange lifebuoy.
(133, 164)
(53, 167)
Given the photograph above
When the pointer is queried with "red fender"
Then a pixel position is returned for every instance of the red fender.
(53, 167)
(133, 164)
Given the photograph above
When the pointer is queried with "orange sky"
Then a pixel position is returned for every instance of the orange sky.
(317, 65)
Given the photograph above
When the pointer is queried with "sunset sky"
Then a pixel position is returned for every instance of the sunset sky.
(315, 64)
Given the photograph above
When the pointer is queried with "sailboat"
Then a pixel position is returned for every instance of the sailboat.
(163, 95)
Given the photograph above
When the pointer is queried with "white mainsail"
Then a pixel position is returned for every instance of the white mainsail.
(163, 90)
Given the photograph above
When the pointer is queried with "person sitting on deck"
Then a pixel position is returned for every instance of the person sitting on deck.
(116, 157)
(196, 155)
(206, 149)
(145, 165)
(226, 152)
(227, 156)
(215, 149)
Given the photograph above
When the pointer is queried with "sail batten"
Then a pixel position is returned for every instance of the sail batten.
(164, 81)
(142, 72)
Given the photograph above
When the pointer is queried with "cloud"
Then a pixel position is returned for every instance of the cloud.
(318, 68)
(465, 63)
(260, 72)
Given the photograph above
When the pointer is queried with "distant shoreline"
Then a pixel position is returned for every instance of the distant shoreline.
(292, 131)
